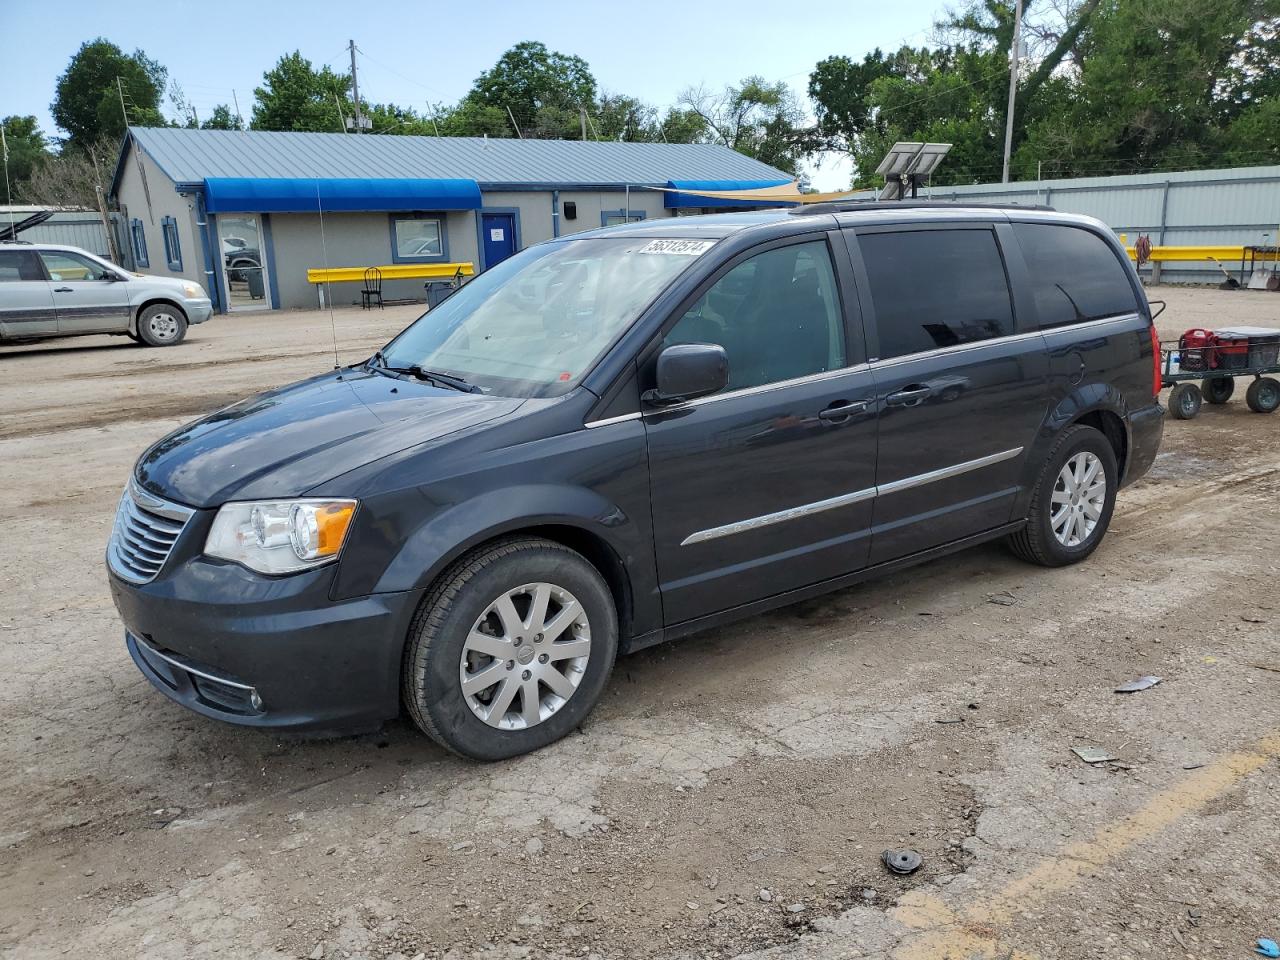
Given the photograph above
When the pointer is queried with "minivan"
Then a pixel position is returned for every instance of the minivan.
(624, 436)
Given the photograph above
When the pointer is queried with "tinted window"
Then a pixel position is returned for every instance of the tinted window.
(936, 288)
(19, 265)
(1074, 274)
(777, 315)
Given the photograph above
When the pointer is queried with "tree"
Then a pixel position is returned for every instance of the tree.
(87, 97)
(222, 119)
(27, 149)
(296, 96)
(544, 89)
(757, 118)
(70, 178)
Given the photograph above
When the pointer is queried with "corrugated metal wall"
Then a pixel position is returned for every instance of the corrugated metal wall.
(1199, 207)
(77, 229)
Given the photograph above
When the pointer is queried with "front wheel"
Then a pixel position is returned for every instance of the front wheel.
(1263, 395)
(510, 650)
(1184, 401)
(161, 325)
(1072, 502)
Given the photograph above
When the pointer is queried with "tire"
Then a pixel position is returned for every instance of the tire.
(1184, 401)
(1263, 395)
(162, 325)
(459, 612)
(1038, 542)
(1217, 389)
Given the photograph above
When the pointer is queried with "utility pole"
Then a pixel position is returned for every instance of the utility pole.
(514, 124)
(582, 116)
(1013, 86)
(355, 87)
(239, 119)
(123, 111)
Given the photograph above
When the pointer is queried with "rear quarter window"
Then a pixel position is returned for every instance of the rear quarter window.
(936, 288)
(1075, 275)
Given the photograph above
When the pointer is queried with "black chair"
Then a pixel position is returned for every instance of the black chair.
(372, 288)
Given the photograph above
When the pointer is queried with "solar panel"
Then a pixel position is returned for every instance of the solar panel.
(899, 158)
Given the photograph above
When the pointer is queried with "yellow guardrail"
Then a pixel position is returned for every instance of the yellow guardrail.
(1188, 254)
(393, 271)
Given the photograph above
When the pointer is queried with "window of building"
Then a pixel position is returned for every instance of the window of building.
(777, 315)
(72, 266)
(172, 248)
(936, 288)
(611, 218)
(139, 238)
(18, 265)
(417, 238)
(1075, 275)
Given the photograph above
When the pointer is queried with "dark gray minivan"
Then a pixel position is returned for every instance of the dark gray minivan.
(618, 438)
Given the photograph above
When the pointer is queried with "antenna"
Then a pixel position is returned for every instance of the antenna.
(514, 124)
(239, 118)
(8, 196)
(123, 112)
(324, 250)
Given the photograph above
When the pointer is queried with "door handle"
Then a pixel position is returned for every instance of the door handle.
(842, 410)
(909, 396)
(62, 290)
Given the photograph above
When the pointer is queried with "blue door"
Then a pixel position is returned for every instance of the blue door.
(499, 237)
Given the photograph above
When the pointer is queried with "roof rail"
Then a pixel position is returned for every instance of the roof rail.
(850, 206)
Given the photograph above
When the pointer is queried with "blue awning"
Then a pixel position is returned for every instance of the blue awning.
(683, 200)
(306, 195)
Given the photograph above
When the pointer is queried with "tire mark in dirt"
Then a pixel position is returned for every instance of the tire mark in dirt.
(58, 419)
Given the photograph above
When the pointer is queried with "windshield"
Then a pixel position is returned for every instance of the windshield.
(533, 325)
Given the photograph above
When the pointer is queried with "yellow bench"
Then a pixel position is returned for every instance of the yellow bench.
(393, 271)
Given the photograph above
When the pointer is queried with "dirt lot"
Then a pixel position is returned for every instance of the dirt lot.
(732, 793)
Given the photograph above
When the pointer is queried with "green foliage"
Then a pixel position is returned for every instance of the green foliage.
(221, 119)
(543, 88)
(296, 96)
(86, 101)
(757, 118)
(27, 148)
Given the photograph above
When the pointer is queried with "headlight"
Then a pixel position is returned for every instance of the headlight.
(280, 536)
(192, 291)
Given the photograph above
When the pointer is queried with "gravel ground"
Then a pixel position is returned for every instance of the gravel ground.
(732, 793)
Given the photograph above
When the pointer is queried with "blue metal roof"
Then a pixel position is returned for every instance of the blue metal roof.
(297, 195)
(685, 200)
(192, 156)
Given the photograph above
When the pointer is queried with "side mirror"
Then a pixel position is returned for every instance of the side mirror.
(688, 370)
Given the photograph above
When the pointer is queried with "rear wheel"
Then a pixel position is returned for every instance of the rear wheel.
(1263, 395)
(511, 649)
(161, 325)
(1072, 502)
(1184, 401)
(1217, 389)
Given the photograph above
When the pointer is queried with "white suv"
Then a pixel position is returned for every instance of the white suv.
(49, 290)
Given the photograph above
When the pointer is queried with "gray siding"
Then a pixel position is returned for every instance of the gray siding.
(352, 240)
(165, 201)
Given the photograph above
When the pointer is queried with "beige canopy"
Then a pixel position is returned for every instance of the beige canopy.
(784, 193)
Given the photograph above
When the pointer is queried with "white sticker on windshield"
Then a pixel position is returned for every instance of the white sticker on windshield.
(687, 248)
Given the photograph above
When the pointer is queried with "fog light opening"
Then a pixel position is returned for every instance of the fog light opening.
(255, 700)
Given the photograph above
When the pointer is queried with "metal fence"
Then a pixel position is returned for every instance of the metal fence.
(76, 228)
(1194, 208)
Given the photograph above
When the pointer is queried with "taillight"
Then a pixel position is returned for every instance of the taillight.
(1155, 361)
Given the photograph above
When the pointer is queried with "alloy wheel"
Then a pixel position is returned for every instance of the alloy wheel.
(525, 656)
(1079, 496)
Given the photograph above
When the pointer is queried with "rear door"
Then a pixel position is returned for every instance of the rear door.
(499, 237)
(86, 295)
(960, 391)
(26, 302)
(766, 486)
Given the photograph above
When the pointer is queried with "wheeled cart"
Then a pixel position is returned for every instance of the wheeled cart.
(1216, 370)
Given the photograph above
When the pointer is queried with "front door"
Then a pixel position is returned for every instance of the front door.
(88, 297)
(26, 302)
(767, 485)
(499, 237)
(960, 391)
(244, 265)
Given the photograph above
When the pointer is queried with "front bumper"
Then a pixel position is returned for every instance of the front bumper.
(266, 652)
(1146, 428)
(197, 311)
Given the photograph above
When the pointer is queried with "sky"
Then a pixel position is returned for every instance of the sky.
(416, 52)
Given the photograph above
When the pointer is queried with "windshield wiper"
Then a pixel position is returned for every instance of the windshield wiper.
(379, 362)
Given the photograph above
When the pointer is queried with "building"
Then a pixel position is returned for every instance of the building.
(247, 213)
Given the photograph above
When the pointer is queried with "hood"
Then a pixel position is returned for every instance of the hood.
(287, 441)
(172, 283)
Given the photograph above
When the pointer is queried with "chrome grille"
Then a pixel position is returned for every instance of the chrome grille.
(145, 531)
